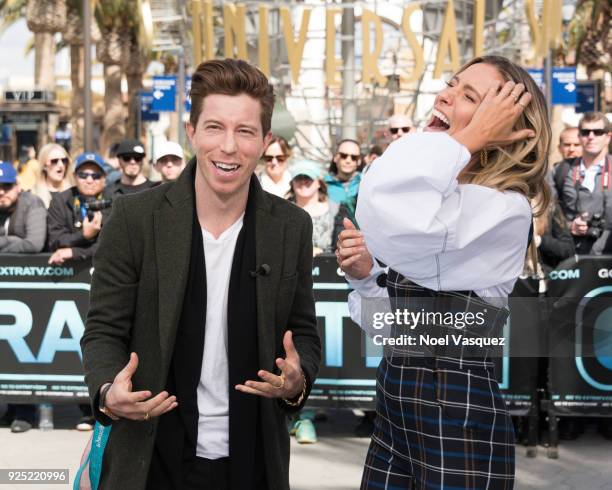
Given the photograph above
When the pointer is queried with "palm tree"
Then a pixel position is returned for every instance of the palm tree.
(113, 18)
(135, 59)
(590, 38)
(44, 19)
(72, 35)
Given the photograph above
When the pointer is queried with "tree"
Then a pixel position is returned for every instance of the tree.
(72, 35)
(44, 19)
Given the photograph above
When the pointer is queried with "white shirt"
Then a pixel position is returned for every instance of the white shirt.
(279, 189)
(590, 173)
(213, 394)
(419, 221)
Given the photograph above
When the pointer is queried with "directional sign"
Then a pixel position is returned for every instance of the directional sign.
(564, 86)
(146, 99)
(187, 96)
(538, 76)
(164, 94)
(588, 96)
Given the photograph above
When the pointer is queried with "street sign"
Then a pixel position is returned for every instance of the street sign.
(146, 114)
(564, 86)
(538, 76)
(588, 96)
(187, 97)
(164, 93)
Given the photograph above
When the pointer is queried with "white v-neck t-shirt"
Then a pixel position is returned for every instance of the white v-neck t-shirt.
(212, 393)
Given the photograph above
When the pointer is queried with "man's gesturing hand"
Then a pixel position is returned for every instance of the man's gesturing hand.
(290, 382)
(135, 405)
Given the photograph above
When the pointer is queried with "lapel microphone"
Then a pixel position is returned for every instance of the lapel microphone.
(262, 270)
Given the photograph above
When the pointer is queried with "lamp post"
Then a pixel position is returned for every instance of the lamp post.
(87, 112)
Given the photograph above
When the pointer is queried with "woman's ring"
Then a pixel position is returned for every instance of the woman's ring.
(282, 377)
(146, 416)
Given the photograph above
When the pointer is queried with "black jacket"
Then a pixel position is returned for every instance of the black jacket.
(137, 292)
(65, 226)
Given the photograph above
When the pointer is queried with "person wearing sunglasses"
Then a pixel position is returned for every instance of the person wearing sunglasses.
(52, 175)
(169, 160)
(584, 186)
(399, 125)
(76, 215)
(131, 155)
(275, 178)
(344, 177)
(74, 221)
(23, 229)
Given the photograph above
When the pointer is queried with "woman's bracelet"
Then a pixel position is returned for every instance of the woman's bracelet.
(300, 399)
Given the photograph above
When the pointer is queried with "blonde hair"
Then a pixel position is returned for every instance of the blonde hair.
(520, 166)
(40, 186)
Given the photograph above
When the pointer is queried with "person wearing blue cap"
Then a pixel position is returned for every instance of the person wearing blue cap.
(22, 216)
(23, 229)
(309, 192)
(77, 214)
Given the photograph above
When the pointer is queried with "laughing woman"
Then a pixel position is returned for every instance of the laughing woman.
(448, 212)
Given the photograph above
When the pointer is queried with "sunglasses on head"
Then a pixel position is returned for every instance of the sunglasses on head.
(55, 161)
(396, 130)
(344, 156)
(129, 158)
(596, 132)
(94, 175)
(279, 158)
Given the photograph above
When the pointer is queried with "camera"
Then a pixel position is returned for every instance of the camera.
(595, 226)
(94, 205)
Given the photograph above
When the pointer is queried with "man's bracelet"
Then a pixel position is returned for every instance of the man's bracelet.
(300, 399)
(102, 403)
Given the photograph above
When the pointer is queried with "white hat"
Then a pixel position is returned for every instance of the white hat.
(168, 148)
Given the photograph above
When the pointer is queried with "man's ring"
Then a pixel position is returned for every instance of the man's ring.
(146, 416)
(282, 383)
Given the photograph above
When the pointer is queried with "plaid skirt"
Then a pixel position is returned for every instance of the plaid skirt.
(441, 424)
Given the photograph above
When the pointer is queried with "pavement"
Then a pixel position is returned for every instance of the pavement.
(335, 462)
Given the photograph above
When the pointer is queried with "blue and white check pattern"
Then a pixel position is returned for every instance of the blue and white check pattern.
(441, 420)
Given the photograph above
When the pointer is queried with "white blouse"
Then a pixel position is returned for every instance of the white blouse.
(442, 235)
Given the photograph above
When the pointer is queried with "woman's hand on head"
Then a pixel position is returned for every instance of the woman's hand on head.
(494, 120)
(351, 252)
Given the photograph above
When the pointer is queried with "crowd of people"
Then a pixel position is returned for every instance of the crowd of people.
(57, 207)
(51, 205)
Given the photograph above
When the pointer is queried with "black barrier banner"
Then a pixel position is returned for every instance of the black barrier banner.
(518, 376)
(43, 310)
(42, 314)
(580, 377)
(347, 378)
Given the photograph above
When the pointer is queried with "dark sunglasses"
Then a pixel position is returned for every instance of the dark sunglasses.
(129, 158)
(396, 130)
(55, 161)
(279, 158)
(6, 187)
(94, 175)
(596, 132)
(344, 156)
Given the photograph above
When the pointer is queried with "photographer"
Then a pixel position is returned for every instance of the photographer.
(585, 194)
(76, 215)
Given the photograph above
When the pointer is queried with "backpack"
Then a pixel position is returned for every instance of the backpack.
(560, 173)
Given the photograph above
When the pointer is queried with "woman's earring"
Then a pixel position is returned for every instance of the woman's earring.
(484, 158)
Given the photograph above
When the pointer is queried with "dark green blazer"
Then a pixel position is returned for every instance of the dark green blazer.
(141, 269)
